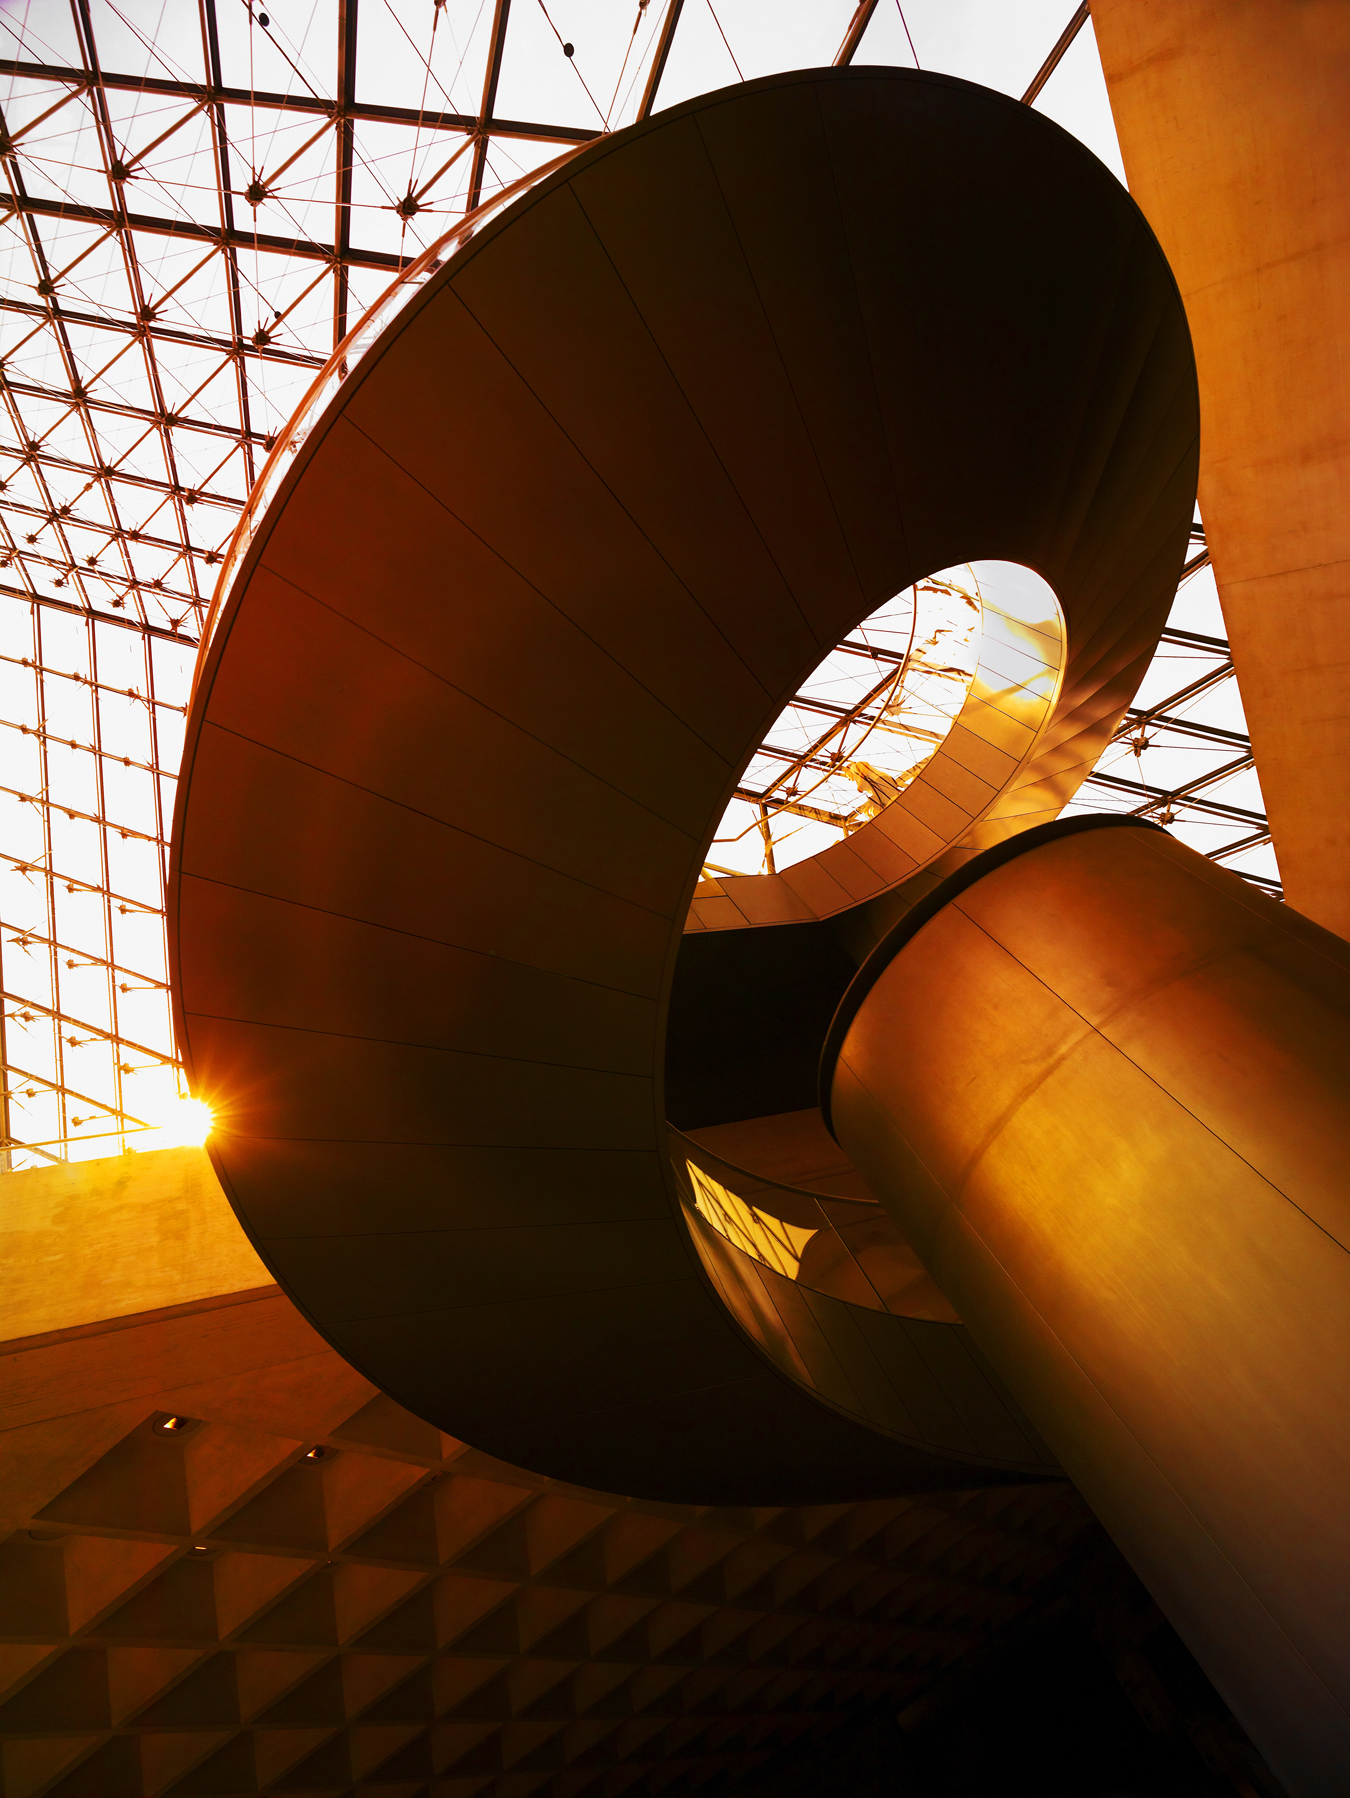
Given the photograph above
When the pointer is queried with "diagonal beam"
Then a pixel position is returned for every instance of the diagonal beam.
(1155, 796)
(797, 809)
(113, 472)
(1255, 840)
(161, 333)
(491, 76)
(1184, 794)
(308, 103)
(1193, 640)
(811, 757)
(179, 420)
(121, 622)
(30, 205)
(1183, 727)
(854, 35)
(659, 56)
(1056, 56)
(1214, 678)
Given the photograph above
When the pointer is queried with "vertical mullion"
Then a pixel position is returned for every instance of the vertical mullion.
(105, 869)
(161, 856)
(346, 150)
(49, 861)
(491, 76)
(221, 144)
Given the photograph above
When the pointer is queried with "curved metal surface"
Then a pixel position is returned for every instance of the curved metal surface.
(916, 1381)
(323, 388)
(538, 580)
(846, 1248)
(831, 1292)
(1123, 1156)
(925, 908)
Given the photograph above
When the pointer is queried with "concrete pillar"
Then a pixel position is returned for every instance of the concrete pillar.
(1104, 1092)
(1234, 125)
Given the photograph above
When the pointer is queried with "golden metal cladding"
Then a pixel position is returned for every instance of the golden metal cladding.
(1103, 1091)
(534, 587)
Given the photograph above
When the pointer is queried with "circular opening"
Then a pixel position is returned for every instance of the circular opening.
(870, 717)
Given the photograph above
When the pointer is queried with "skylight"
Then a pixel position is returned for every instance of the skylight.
(201, 200)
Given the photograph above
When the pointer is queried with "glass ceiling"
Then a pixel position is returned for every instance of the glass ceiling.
(200, 199)
(858, 731)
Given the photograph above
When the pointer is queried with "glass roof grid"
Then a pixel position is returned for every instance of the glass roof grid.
(85, 984)
(435, 64)
(539, 79)
(159, 326)
(1182, 755)
(42, 33)
(858, 730)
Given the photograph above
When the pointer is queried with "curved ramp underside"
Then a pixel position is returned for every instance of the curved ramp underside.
(537, 584)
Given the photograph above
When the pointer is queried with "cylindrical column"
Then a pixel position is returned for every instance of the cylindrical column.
(1104, 1086)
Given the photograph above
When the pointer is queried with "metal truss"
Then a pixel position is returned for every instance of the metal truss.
(195, 208)
(1202, 806)
(829, 755)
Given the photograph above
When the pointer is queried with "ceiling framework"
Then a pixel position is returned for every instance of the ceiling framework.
(1184, 758)
(858, 754)
(196, 208)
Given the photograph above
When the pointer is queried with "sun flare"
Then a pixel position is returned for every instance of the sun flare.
(184, 1124)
